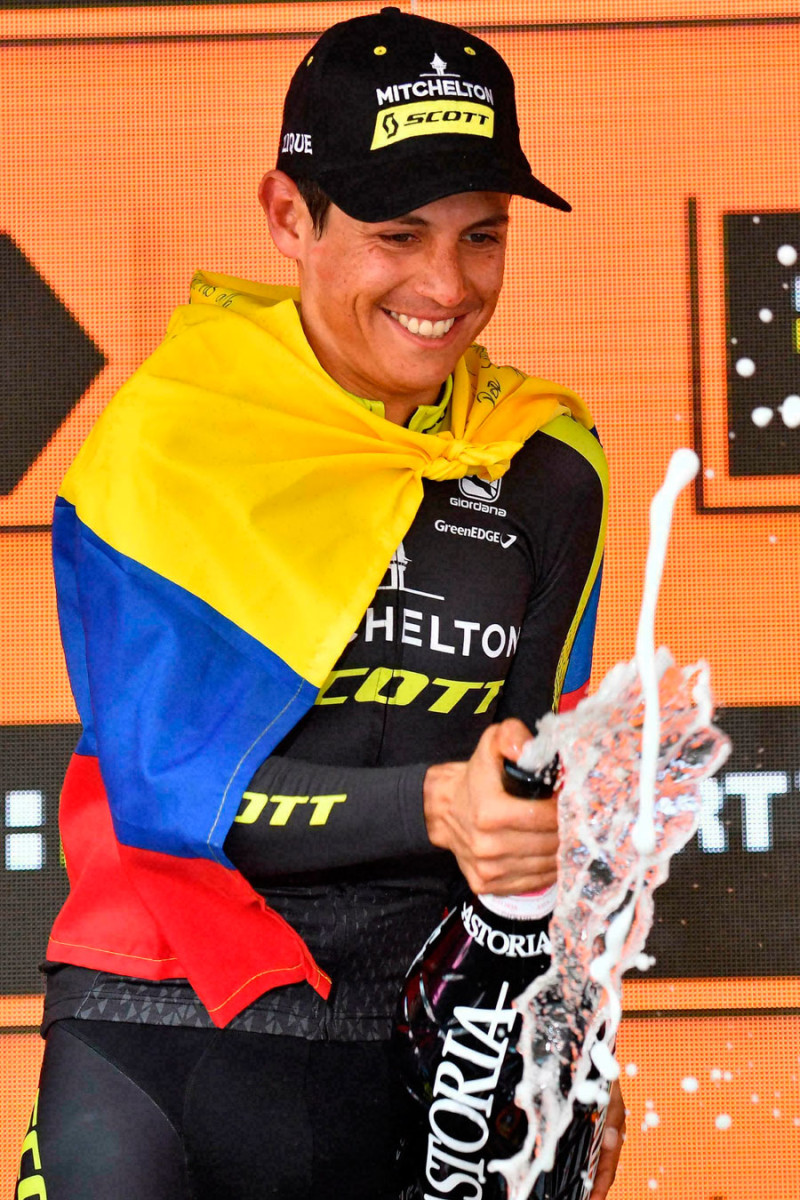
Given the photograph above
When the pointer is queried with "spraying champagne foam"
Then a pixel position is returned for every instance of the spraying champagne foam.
(633, 756)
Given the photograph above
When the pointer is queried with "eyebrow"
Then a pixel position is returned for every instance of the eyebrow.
(495, 220)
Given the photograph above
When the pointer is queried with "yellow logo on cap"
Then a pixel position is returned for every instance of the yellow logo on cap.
(429, 117)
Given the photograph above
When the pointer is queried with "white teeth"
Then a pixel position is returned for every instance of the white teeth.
(424, 328)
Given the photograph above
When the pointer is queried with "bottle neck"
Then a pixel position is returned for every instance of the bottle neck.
(530, 906)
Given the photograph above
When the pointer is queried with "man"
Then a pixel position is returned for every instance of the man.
(314, 552)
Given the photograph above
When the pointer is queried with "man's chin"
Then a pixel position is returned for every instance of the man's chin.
(428, 367)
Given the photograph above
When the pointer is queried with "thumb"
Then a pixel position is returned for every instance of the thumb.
(508, 738)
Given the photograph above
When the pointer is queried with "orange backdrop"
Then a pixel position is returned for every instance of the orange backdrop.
(131, 147)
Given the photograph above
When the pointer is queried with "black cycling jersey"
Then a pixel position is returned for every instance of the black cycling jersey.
(468, 626)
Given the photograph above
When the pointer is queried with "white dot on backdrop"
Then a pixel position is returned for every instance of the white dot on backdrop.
(787, 256)
(745, 367)
(631, 1070)
(690, 1084)
(709, 472)
(715, 1074)
(756, 220)
(772, 539)
(754, 1097)
(734, 341)
(761, 416)
(776, 1112)
(652, 1184)
(723, 1121)
(765, 315)
(651, 1119)
(790, 411)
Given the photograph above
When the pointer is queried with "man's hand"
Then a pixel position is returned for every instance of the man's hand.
(611, 1145)
(503, 844)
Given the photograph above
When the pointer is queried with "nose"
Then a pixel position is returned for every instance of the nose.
(442, 278)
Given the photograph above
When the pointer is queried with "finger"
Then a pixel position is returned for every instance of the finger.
(509, 850)
(610, 1149)
(500, 812)
(513, 885)
(611, 1145)
(508, 738)
(523, 874)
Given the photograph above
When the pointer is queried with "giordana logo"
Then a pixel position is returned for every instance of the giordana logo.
(475, 488)
(460, 107)
(480, 495)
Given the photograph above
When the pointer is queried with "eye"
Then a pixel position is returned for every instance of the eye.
(397, 239)
(483, 238)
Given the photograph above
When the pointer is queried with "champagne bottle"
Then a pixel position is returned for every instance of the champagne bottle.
(456, 1035)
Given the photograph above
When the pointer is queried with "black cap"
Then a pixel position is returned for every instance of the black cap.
(392, 111)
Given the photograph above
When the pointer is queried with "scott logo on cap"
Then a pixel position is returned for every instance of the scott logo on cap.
(461, 114)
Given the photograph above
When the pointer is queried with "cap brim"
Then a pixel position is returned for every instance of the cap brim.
(378, 196)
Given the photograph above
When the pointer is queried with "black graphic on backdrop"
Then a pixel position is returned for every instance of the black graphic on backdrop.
(33, 882)
(762, 273)
(47, 362)
(729, 907)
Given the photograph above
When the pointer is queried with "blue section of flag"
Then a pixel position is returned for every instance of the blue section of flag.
(580, 659)
(184, 704)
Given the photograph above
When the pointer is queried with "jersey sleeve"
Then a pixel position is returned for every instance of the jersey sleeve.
(301, 816)
(568, 484)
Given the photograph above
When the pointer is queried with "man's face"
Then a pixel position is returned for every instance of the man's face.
(390, 307)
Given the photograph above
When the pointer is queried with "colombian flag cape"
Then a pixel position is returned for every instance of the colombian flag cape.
(216, 542)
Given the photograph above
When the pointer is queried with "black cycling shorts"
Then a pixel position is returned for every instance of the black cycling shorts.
(147, 1112)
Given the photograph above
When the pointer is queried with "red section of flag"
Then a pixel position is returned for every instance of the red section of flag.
(212, 927)
(570, 700)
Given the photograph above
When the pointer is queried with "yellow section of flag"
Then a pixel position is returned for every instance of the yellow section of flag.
(234, 466)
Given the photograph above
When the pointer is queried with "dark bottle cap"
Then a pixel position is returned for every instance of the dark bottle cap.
(530, 785)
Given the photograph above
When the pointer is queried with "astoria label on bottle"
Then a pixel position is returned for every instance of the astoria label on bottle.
(456, 1036)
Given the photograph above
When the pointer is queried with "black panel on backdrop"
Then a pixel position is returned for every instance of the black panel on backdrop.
(47, 361)
(730, 904)
(762, 274)
(33, 882)
(728, 908)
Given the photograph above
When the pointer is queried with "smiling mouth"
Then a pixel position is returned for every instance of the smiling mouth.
(423, 328)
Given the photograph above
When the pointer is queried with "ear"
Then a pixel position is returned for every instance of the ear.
(287, 215)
